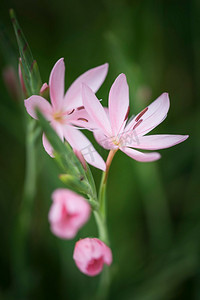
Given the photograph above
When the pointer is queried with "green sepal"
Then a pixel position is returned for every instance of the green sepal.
(31, 74)
(63, 152)
(75, 183)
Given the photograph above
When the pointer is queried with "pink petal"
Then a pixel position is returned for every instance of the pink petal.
(47, 146)
(95, 110)
(155, 142)
(90, 254)
(79, 142)
(56, 84)
(68, 213)
(42, 104)
(93, 78)
(118, 103)
(140, 156)
(155, 113)
(82, 119)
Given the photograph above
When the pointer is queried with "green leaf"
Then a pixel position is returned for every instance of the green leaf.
(64, 155)
(63, 152)
(30, 68)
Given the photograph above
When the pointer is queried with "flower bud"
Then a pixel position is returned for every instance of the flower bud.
(90, 255)
(44, 91)
(68, 213)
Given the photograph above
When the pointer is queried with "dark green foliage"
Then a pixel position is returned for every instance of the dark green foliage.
(153, 209)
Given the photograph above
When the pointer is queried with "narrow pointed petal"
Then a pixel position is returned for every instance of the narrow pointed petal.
(47, 146)
(151, 116)
(79, 142)
(118, 103)
(92, 78)
(140, 156)
(39, 102)
(95, 110)
(155, 142)
(56, 83)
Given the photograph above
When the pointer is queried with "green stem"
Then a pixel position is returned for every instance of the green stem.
(100, 217)
(22, 226)
(102, 190)
(102, 228)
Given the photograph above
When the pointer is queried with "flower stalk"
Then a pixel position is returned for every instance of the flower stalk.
(100, 217)
(23, 220)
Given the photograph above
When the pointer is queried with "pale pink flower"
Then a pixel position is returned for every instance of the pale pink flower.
(90, 255)
(113, 131)
(67, 109)
(68, 213)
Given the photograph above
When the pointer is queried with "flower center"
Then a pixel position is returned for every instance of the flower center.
(116, 140)
(61, 116)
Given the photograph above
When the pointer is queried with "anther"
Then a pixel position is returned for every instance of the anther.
(80, 107)
(71, 112)
(82, 119)
(127, 113)
(137, 124)
(141, 114)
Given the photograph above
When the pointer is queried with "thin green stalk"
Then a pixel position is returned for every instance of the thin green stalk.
(22, 226)
(100, 217)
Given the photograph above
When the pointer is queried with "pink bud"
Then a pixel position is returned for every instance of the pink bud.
(90, 255)
(44, 91)
(68, 213)
(44, 88)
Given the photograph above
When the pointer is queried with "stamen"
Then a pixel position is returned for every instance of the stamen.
(137, 124)
(71, 112)
(82, 119)
(80, 107)
(141, 114)
(126, 116)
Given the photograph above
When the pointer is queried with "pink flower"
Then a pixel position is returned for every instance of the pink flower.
(68, 213)
(67, 110)
(113, 131)
(90, 255)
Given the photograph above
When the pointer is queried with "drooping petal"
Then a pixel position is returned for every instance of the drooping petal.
(155, 142)
(39, 102)
(92, 78)
(56, 84)
(79, 142)
(47, 146)
(140, 156)
(151, 116)
(118, 103)
(95, 110)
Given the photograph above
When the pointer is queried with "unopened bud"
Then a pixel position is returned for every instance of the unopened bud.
(44, 91)
(75, 183)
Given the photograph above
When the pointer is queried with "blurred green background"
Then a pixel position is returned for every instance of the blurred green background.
(153, 208)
